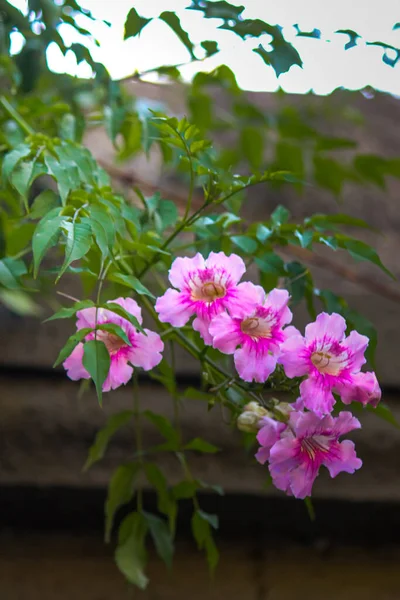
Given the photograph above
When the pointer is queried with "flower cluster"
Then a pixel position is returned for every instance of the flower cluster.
(241, 319)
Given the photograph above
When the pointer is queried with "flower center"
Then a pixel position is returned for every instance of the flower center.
(256, 328)
(112, 342)
(312, 445)
(327, 363)
(208, 292)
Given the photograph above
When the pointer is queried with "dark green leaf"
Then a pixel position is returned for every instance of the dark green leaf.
(130, 554)
(362, 251)
(119, 310)
(164, 427)
(282, 56)
(210, 47)
(162, 537)
(185, 489)
(96, 360)
(202, 535)
(134, 24)
(115, 330)
(99, 447)
(120, 491)
(337, 219)
(383, 411)
(71, 343)
(201, 446)
(173, 21)
(166, 504)
(217, 9)
(252, 144)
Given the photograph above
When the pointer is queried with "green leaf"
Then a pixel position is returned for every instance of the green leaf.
(327, 221)
(134, 24)
(120, 491)
(164, 427)
(43, 203)
(70, 344)
(383, 411)
(202, 534)
(131, 282)
(219, 9)
(245, 243)
(166, 504)
(252, 145)
(210, 47)
(280, 215)
(330, 174)
(305, 237)
(201, 446)
(11, 270)
(185, 489)
(79, 241)
(362, 251)
(310, 508)
(12, 159)
(211, 519)
(173, 21)
(66, 313)
(130, 554)
(119, 310)
(21, 176)
(282, 57)
(66, 175)
(115, 330)
(46, 236)
(168, 214)
(99, 447)
(96, 360)
(162, 537)
(270, 262)
(20, 303)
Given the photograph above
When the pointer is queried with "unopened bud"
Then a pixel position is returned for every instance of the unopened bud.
(256, 408)
(248, 422)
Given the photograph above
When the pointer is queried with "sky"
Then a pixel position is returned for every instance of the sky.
(326, 65)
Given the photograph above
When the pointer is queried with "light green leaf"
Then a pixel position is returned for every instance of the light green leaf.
(43, 203)
(120, 491)
(71, 343)
(20, 303)
(130, 554)
(79, 240)
(245, 243)
(280, 215)
(96, 360)
(12, 159)
(66, 313)
(201, 446)
(362, 251)
(252, 144)
(115, 330)
(162, 537)
(99, 447)
(131, 282)
(46, 236)
(10, 271)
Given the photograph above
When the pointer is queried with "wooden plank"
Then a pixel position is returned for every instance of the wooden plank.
(45, 432)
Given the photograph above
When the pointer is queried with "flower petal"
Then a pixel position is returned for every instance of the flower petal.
(119, 374)
(147, 350)
(74, 365)
(344, 423)
(292, 355)
(332, 326)
(202, 326)
(253, 365)
(182, 267)
(270, 432)
(317, 396)
(262, 455)
(342, 458)
(225, 333)
(232, 264)
(360, 387)
(173, 308)
(357, 345)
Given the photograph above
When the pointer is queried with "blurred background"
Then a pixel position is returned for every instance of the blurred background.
(308, 87)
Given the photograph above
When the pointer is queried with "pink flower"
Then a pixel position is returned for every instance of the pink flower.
(144, 351)
(332, 363)
(253, 335)
(307, 443)
(206, 288)
(267, 436)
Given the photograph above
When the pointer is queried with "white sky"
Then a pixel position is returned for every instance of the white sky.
(326, 65)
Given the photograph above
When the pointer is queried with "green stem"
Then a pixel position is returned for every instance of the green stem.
(10, 110)
(191, 188)
(138, 436)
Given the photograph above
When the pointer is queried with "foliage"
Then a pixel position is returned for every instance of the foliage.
(61, 216)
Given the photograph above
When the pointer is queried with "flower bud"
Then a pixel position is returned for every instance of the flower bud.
(249, 420)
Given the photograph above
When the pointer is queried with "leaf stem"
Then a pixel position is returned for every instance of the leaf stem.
(10, 110)
(138, 436)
